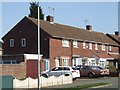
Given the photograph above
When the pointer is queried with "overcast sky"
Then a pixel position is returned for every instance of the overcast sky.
(103, 16)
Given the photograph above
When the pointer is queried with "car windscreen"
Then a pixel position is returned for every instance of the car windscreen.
(94, 67)
(74, 68)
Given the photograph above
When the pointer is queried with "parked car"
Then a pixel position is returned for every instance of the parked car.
(104, 71)
(92, 71)
(62, 70)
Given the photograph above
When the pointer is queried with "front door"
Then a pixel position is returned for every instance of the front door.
(47, 65)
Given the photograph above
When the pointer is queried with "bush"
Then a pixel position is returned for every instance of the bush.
(112, 68)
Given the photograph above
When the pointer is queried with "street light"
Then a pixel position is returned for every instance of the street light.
(38, 47)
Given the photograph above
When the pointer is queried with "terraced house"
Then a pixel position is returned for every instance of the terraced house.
(116, 61)
(61, 45)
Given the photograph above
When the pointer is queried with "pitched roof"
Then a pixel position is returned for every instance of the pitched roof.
(116, 56)
(102, 55)
(69, 32)
(114, 37)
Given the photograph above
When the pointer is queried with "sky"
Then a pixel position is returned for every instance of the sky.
(103, 16)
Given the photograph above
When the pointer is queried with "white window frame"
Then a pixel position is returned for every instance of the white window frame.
(103, 47)
(65, 43)
(90, 46)
(110, 48)
(23, 41)
(96, 46)
(75, 44)
(11, 42)
(65, 62)
(84, 45)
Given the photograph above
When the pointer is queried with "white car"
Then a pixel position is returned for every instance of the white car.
(62, 70)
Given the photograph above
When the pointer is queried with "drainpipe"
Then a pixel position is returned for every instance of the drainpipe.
(71, 41)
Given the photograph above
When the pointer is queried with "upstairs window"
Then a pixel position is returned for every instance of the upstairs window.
(23, 42)
(11, 42)
(90, 45)
(65, 43)
(96, 46)
(75, 44)
(84, 45)
(103, 47)
(110, 48)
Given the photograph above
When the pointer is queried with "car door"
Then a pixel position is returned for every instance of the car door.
(84, 71)
(56, 71)
(53, 72)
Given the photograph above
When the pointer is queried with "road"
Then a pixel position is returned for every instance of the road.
(113, 83)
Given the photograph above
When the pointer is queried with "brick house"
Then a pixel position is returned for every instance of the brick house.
(60, 44)
(115, 62)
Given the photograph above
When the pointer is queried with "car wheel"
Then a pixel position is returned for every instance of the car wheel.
(74, 79)
(90, 75)
(44, 75)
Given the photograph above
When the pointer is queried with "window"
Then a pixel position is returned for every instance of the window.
(110, 48)
(65, 62)
(11, 42)
(90, 45)
(93, 62)
(9, 62)
(84, 45)
(23, 42)
(103, 47)
(75, 44)
(65, 43)
(96, 46)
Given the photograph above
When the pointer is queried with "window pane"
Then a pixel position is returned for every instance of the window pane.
(11, 42)
(110, 48)
(84, 45)
(65, 43)
(103, 47)
(23, 42)
(96, 46)
(90, 47)
(75, 44)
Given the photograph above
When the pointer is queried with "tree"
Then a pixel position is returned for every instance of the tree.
(34, 11)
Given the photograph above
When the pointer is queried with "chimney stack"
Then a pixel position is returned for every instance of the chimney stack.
(116, 33)
(50, 19)
(89, 27)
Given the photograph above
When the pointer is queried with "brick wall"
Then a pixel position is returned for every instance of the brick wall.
(56, 50)
(16, 70)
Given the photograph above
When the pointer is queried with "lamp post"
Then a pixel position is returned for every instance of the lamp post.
(38, 48)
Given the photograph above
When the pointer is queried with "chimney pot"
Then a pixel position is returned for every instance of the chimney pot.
(50, 19)
(89, 27)
(117, 33)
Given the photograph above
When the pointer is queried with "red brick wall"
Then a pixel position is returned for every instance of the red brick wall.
(57, 50)
(115, 49)
(16, 70)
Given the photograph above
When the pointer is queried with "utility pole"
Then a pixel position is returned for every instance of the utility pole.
(38, 47)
